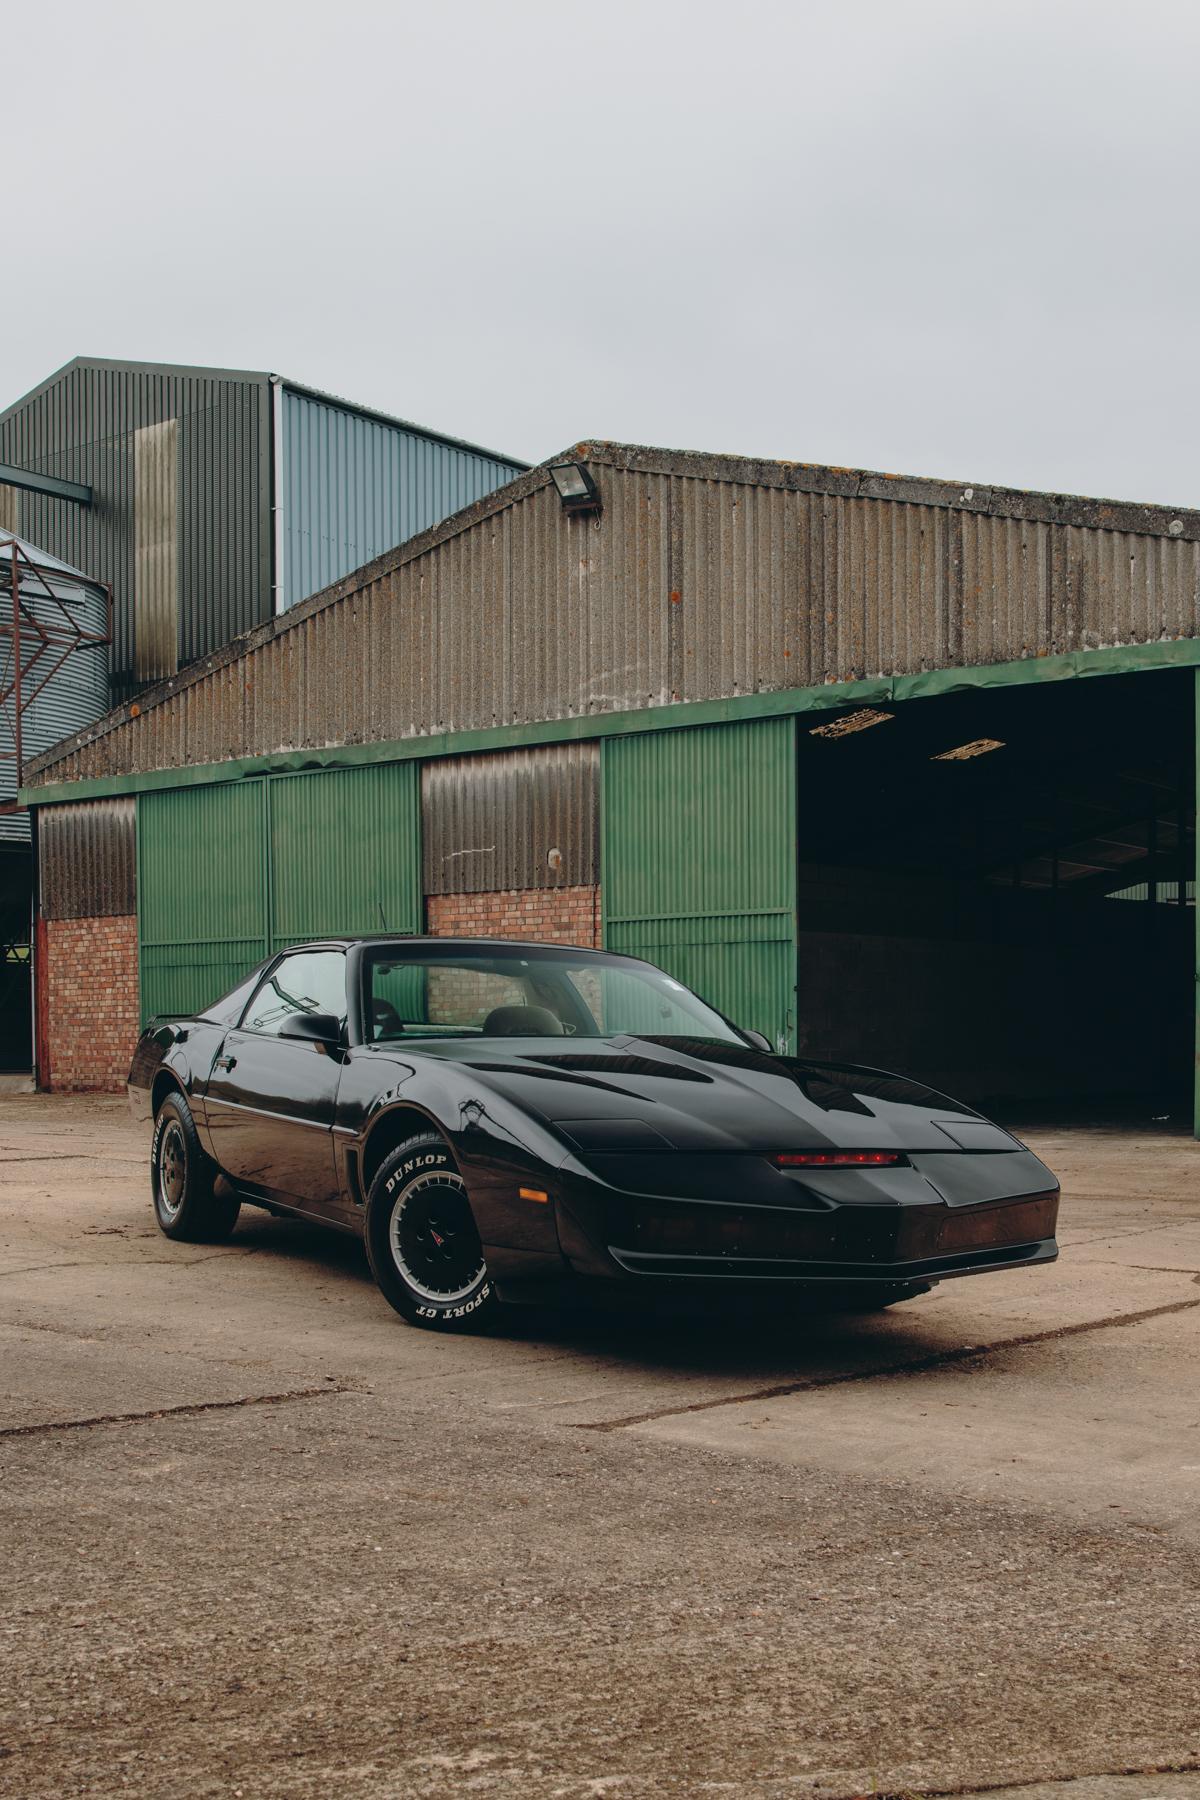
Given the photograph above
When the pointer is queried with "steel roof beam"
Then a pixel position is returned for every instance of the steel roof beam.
(50, 485)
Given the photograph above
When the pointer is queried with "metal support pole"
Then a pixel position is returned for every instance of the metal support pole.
(1195, 872)
(16, 609)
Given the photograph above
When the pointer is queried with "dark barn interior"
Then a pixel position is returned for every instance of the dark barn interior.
(1013, 922)
(16, 1023)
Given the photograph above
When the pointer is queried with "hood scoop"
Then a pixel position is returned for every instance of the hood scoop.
(529, 1071)
(639, 1067)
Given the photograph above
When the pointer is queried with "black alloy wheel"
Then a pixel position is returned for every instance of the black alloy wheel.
(422, 1241)
(183, 1180)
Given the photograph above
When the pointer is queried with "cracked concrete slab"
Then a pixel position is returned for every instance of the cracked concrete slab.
(47, 1379)
(1142, 1786)
(150, 1415)
(1095, 1429)
(962, 1359)
(946, 1561)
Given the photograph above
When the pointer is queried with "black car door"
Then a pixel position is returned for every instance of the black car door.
(271, 1099)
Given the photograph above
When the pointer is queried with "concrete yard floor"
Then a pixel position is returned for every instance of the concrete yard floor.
(262, 1539)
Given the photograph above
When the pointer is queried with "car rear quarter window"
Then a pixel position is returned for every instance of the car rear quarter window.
(229, 1009)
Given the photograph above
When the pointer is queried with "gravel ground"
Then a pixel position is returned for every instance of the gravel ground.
(263, 1540)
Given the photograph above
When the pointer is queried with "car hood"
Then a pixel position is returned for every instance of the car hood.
(635, 1093)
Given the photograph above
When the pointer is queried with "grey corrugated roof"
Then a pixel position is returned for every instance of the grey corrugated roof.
(371, 412)
(919, 575)
(920, 490)
(258, 376)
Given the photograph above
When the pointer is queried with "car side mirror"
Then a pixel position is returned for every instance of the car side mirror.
(757, 1040)
(314, 1027)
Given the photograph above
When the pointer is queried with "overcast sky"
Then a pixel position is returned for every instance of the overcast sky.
(943, 239)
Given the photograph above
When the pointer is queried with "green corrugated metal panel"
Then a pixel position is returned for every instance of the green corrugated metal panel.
(699, 863)
(345, 853)
(228, 874)
(202, 893)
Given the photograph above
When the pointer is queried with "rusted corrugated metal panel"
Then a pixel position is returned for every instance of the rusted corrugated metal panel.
(156, 550)
(703, 577)
(87, 860)
(520, 819)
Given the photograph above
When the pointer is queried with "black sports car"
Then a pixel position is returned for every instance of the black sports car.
(506, 1121)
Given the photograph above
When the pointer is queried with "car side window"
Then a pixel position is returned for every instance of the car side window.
(309, 981)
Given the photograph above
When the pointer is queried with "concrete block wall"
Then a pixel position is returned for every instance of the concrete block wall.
(91, 1008)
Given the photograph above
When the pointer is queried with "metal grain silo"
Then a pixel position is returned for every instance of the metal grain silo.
(55, 627)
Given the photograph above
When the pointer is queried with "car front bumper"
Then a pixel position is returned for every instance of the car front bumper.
(904, 1228)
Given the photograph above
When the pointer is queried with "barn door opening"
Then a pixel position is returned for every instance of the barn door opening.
(997, 895)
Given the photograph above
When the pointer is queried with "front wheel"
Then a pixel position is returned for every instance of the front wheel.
(422, 1242)
(182, 1180)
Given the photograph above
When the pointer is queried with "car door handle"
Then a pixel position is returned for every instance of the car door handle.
(225, 1062)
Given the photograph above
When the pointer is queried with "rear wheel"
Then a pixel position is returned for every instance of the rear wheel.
(183, 1180)
(422, 1242)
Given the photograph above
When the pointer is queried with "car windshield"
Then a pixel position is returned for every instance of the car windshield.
(544, 993)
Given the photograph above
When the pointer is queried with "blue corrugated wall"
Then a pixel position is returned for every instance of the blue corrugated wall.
(354, 486)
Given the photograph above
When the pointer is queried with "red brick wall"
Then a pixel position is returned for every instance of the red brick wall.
(89, 978)
(89, 988)
(567, 915)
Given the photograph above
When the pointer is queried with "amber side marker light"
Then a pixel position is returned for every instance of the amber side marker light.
(533, 1194)
(840, 1159)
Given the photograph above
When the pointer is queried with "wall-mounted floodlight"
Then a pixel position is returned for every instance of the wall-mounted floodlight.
(576, 489)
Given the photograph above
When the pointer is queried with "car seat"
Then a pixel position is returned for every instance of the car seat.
(522, 1021)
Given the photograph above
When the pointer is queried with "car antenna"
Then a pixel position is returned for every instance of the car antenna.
(382, 916)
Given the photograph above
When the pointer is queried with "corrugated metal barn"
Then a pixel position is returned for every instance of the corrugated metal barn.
(209, 501)
(895, 771)
(213, 499)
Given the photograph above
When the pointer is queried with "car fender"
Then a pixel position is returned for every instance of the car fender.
(503, 1155)
(161, 1046)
